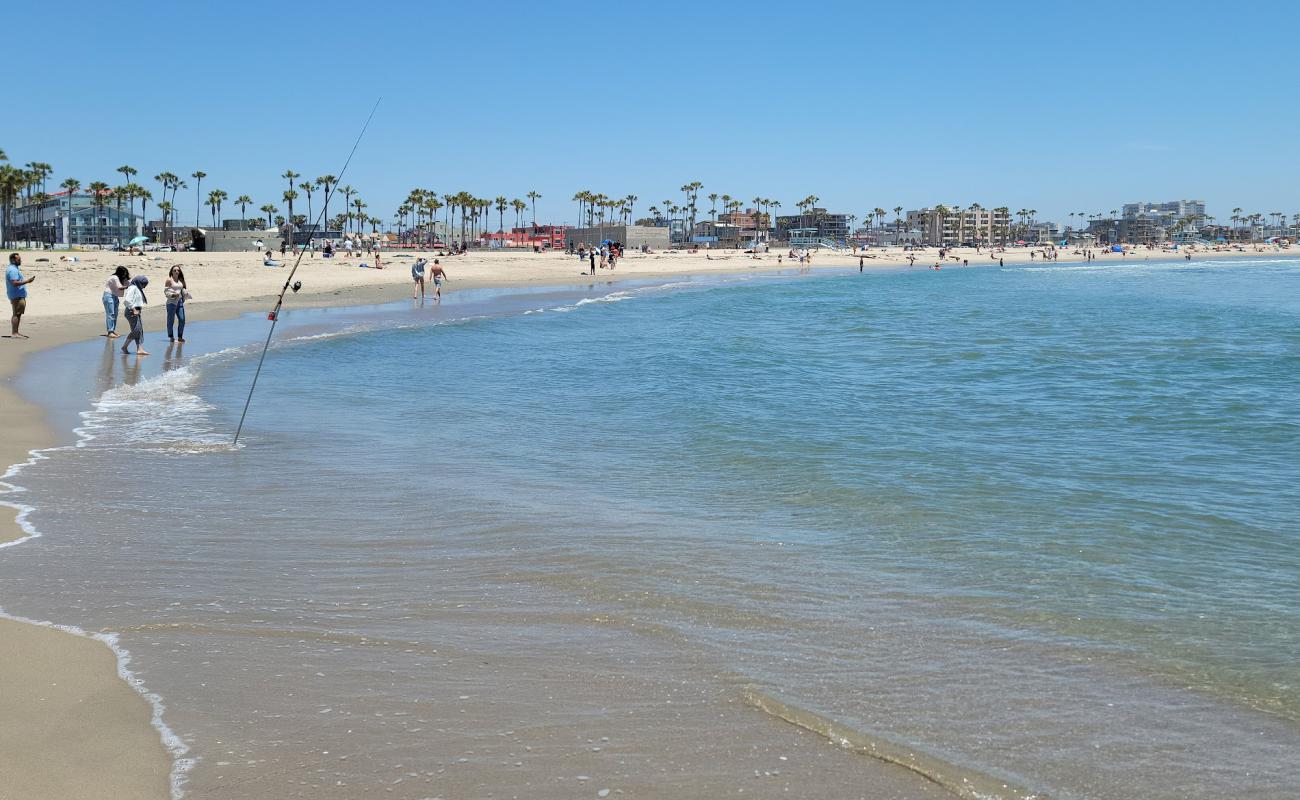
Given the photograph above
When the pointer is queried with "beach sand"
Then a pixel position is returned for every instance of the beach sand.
(73, 727)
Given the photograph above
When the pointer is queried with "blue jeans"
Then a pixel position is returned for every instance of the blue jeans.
(176, 313)
(111, 303)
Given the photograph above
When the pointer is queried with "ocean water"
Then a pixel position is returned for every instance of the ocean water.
(1034, 531)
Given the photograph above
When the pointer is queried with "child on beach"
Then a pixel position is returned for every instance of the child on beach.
(135, 301)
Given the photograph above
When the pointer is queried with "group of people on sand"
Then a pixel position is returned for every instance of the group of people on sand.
(609, 253)
(127, 294)
(436, 273)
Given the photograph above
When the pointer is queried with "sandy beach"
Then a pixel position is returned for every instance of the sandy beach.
(74, 727)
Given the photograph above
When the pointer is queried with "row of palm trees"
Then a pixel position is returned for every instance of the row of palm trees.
(596, 208)
(419, 212)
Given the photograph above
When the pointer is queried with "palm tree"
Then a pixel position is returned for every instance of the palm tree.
(290, 176)
(347, 191)
(166, 208)
(198, 177)
(145, 196)
(519, 206)
(328, 182)
(243, 201)
(941, 214)
(533, 196)
(127, 171)
(630, 200)
(268, 210)
(359, 204)
(97, 190)
(307, 187)
(288, 197)
(119, 195)
(72, 186)
(713, 210)
(501, 205)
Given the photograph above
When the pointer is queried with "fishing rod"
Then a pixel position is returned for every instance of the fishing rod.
(274, 315)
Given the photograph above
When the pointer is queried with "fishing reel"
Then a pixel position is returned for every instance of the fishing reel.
(296, 286)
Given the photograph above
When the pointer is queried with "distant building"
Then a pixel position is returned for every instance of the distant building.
(221, 241)
(956, 226)
(812, 225)
(633, 237)
(1175, 209)
(547, 236)
(1142, 229)
(79, 221)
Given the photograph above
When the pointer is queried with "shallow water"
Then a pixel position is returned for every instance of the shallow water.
(1040, 524)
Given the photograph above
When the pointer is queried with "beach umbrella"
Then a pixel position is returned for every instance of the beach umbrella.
(1116, 249)
(138, 240)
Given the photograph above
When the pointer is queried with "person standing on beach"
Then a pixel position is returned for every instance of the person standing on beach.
(135, 302)
(439, 275)
(417, 275)
(176, 292)
(16, 291)
(591, 259)
(113, 291)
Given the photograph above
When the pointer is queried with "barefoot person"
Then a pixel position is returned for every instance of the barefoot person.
(113, 291)
(135, 302)
(16, 291)
(439, 275)
(176, 293)
(417, 275)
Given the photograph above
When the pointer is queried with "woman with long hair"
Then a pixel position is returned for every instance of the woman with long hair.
(113, 292)
(176, 293)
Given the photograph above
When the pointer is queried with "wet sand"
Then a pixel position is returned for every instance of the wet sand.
(73, 726)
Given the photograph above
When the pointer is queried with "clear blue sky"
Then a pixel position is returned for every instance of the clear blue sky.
(1056, 106)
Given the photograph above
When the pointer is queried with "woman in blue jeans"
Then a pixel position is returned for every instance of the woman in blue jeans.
(176, 293)
(113, 290)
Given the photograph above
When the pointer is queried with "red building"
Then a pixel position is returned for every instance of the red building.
(545, 236)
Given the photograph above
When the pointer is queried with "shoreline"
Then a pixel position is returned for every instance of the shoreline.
(91, 731)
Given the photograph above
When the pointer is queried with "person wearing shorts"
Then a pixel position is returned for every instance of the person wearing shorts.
(439, 275)
(417, 275)
(16, 291)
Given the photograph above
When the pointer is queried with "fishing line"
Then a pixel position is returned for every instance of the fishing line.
(274, 315)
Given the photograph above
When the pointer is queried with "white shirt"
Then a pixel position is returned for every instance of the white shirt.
(134, 297)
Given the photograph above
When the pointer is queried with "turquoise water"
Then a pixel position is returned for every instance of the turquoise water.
(1043, 523)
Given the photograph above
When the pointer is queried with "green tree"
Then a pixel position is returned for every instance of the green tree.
(198, 177)
(533, 196)
(243, 201)
(71, 186)
(290, 176)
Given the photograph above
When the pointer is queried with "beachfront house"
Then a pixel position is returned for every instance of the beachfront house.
(813, 228)
(60, 220)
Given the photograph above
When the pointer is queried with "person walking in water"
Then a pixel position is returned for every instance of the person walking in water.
(113, 291)
(417, 275)
(439, 275)
(135, 302)
(176, 293)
